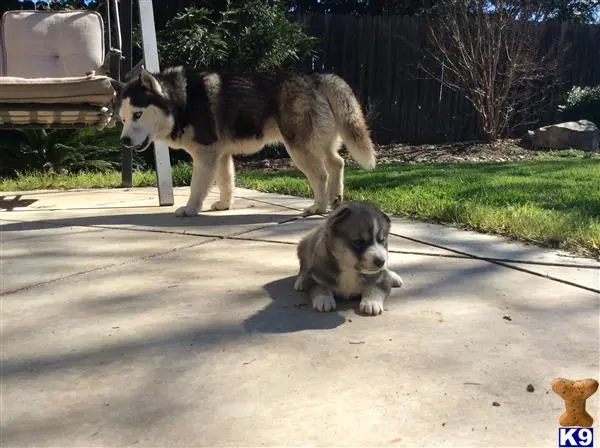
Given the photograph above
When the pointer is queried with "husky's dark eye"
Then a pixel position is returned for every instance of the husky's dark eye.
(359, 242)
(137, 115)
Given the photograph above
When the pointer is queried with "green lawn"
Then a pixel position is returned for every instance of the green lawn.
(553, 202)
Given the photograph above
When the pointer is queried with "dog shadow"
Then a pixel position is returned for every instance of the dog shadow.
(15, 202)
(290, 311)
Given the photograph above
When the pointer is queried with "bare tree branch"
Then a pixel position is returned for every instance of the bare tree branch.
(492, 53)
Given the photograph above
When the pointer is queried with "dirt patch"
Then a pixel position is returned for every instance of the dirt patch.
(507, 150)
(471, 152)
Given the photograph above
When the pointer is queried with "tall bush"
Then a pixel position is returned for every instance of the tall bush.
(257, 35)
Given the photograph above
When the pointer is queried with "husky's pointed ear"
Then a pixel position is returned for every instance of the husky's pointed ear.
(149, 82)
(117, 86)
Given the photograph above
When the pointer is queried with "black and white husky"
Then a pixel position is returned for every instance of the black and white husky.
(215, 115)
(346, 257)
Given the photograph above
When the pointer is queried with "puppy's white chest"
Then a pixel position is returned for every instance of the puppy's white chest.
(348, 283)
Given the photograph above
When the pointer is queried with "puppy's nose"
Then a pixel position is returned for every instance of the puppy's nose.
(126, 141)
(378, 261)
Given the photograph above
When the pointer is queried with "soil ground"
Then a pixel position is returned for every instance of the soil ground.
(507, 150)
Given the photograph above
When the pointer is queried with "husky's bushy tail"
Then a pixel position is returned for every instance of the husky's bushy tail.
(350, 120)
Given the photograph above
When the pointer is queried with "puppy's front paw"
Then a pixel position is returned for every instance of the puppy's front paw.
(371, 307)
(221, 205)
(299, 283)
(186, 210)
(314, 209)
(323, 303)
(397, 281)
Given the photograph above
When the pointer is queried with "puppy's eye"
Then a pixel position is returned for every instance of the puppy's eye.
(359, 242)
(137, 115)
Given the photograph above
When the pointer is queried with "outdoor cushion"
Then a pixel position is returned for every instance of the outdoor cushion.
(52, 44)
(82, 89)
(85, 100)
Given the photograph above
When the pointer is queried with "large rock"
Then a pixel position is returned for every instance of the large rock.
(582, 134)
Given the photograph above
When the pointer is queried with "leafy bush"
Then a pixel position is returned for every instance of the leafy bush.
(582, 103)
(257, 35)
(60, 151)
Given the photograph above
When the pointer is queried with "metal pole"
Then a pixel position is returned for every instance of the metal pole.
(161, 151)
(126, 64)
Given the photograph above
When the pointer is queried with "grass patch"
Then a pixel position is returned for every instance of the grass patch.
(182, 175)
(84, 179)
(554, 203)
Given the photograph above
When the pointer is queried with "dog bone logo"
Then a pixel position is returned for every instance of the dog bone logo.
(575, 393)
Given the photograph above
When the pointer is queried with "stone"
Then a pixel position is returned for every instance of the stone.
(582, 134)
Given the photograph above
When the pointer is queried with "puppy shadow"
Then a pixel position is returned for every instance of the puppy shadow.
(290, 312)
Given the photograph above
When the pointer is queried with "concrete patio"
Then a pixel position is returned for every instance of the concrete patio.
(125, 326)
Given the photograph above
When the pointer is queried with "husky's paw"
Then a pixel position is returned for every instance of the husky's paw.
(314, 210)
(337, 202)
(371, 307)
(220, 205)
(186, 210)
(323, 303)
(397, 281)
(298, 284)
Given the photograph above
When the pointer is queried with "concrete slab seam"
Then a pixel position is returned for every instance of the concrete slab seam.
(108, 266)
(502, 263)
(270, 203)
(506, 260)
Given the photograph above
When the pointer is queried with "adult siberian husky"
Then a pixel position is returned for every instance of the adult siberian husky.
(214, 115)
(346, 257)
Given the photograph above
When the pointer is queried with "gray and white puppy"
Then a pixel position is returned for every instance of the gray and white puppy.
(346, 257)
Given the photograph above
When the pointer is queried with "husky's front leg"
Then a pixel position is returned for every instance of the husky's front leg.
(203, 174)
(225, 182)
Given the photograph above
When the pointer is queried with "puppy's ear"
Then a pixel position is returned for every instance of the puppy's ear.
(339, 215)
(386, 217)
(150, 83)
(387, 226)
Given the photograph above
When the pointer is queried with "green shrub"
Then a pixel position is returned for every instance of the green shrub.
(257, 35)
(582, 103)
(61, 151)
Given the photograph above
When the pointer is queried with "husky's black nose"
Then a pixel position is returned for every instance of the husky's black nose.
(126, 141)
(377, 261)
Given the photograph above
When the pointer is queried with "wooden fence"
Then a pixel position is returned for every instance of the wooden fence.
(372, 54)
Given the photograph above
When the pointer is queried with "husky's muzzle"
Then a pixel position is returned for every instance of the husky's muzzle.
(126, 141)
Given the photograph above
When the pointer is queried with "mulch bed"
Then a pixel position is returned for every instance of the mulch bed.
(507, 150)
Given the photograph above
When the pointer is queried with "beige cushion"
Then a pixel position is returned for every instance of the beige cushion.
(96, 90)
(52, 44)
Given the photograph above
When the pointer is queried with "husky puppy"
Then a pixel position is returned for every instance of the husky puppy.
(215, 115)
(346, 257)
